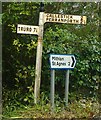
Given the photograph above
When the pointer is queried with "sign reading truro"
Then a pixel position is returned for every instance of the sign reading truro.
(27, 29)
(61, 18)
(62, 61)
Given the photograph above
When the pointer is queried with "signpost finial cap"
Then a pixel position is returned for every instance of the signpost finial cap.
(41, 7)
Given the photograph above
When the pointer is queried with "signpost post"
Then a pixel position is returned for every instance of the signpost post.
(38, 30)
(39, 55)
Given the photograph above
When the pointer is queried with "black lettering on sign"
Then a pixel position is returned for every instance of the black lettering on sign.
(67, 16)
(58, 63)
(68, 63)
(55, 16)
(61, 64)
(34, 30)
(70, 21)
(53, 63)
(21, 28)
(74, 21)
(65, 20)
(30, 29)
(62, 16)
(53, 58)
(24, 28)
(58, 58)
(51, 15)
(62, 20)
(59, 16)
(47, 15)
(47, 19)
(27, 29)
(81, 21)
(59, 19)
(18, 28)
(77, 21)
(56, 19)
(52, 19)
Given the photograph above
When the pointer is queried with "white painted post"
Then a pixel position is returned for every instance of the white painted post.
(39, 57)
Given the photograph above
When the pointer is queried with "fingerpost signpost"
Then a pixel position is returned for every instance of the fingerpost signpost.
(38, 30)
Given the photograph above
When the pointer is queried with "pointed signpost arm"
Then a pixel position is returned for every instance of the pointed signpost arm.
(39, 55)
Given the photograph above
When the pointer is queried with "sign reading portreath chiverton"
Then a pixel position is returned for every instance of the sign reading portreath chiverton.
(61, 61)
(62, 18)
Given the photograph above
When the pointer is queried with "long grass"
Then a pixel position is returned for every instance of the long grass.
(83, 108)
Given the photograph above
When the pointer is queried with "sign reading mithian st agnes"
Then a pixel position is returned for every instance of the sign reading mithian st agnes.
(62, 61)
